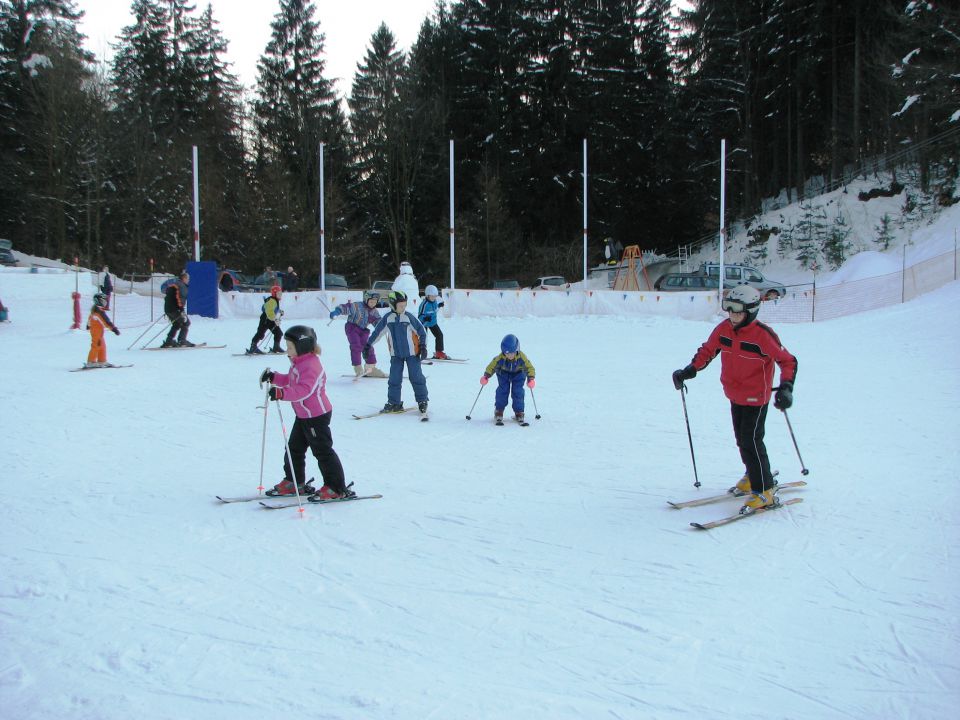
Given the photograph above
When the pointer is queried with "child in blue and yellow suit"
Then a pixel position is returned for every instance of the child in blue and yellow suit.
(512, 368)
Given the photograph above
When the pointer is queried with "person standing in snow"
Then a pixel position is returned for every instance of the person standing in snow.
(407, 342)
(107, 287)
(359, 317)
(429, 315)
(175, 308)
(97, 324)
(748, 350)
(305, 387)
(406, 283)
(270, 315)
(512, 368)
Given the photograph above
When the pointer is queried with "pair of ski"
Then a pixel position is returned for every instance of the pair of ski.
(197, 346)
(739, 516)
(499, 422)
(433, 360)
(279, 502)
(105, 366)
(259, 354)
(423, 418)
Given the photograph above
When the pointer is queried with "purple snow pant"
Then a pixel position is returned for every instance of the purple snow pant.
(357, 337)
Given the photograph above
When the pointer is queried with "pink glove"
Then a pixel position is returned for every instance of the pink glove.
(484, 379)
(531, 383)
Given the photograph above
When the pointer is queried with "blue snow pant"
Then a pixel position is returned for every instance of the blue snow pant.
(512, 384)
(395, 382)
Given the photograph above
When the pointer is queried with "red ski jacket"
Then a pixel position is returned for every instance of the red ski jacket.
(747, 356)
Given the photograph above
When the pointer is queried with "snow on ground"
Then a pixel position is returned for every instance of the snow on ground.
(507, 572)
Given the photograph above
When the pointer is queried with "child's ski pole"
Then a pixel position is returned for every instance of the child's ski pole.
(696, 479)
(263, 439)
(475, 402)
(286, 445)
(534, 398)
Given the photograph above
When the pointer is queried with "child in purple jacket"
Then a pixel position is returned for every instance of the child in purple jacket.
(305, 387)
(360, 316)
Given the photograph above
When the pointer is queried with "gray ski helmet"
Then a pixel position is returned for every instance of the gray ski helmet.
(431, 290)
(304, 339)
(396, 296)
(367, 294)
(745, 299)
(100, 300)
(510, 343)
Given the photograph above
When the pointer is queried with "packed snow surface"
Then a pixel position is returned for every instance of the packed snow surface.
(507, 572)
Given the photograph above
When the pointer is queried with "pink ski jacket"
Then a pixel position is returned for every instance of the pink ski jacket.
(305, 386)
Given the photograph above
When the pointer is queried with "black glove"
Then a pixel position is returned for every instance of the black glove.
(688, 373)
(116, 332)
(276, 393)
(423, 352)
(266, 376)
(784, 397)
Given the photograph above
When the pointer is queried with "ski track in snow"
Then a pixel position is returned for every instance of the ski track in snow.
(507, 572)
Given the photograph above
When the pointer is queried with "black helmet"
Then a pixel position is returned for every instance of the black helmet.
(396, 296)
(304, 339)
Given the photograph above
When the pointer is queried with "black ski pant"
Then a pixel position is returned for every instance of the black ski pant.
(437, 338)
(178, 323)
(262, 329)
(314, 433)
(748, 428)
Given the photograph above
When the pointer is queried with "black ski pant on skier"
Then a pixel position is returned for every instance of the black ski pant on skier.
(749, 428)
(262, 329)
(438, 338)
(314, 433)
(179, 323)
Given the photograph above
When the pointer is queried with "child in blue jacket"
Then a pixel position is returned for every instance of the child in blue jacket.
(407, 342)
(429, 315)
(512, 368)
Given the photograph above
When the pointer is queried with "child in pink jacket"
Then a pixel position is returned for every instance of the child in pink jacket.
(304, 387)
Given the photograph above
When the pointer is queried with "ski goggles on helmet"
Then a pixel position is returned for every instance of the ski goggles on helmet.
(735, 306)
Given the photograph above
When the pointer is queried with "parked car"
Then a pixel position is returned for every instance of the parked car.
(6, 253)
(334, 282)
(679, 282)
(383, 287)
(551, 282)
(262, 284)
(745, 275)
(231, 280)
(506, 285)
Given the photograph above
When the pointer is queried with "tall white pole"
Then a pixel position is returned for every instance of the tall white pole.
(453, 284)
(585, 211)
(723, 215)
(196, 206)
(323, 235)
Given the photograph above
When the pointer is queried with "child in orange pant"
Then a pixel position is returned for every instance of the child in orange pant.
(97, 323)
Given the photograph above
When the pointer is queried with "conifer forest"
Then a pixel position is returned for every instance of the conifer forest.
(96, 154)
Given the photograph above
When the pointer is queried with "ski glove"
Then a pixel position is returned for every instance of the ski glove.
(484, 379)
(679, 376)
(531, 383)
(337, 312)
(276, 393)
(116, 332)
(423, 352)
(266, 376)
(784, 397)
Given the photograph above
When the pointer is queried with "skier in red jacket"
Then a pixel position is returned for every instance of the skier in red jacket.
(748, 350)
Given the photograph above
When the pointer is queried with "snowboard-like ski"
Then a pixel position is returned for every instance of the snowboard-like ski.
(729, 496)
(741, 516)
(197, 346)
(287, 503)
(99, 367)
(378, 414)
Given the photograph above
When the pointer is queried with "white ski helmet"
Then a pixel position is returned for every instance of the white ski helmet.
(431, 290)
(406, 268)
(745, 299)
